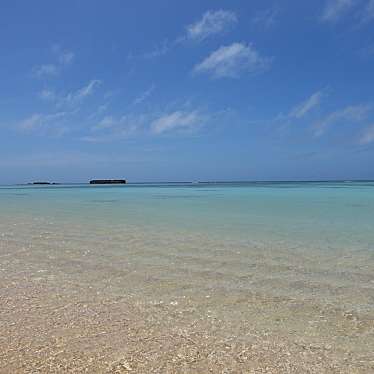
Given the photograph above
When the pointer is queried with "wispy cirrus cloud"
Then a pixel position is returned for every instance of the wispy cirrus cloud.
(178, 120)
(43, 123)
(64, 57)
(84, 91)
(118, 127)
(158, 50)
(232, 60)
(128, 122)
(144, 95)
(352, 117)
(300, 112)
(54, 123)
(349, 114)
(112, 128)
(361, 10)
(48, 95)
(335, 9)
(211, 23)
(367, 136)
(306, 106)
(99, 111)
(45, 70)
(73, 97)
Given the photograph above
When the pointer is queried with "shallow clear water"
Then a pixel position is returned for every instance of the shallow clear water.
(276, 233)
(326, 215)
(290, 263)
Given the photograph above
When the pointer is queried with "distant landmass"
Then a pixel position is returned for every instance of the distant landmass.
(38, 183)
(108, 181)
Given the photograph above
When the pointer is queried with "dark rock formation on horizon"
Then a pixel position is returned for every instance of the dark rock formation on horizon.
(108, 181)
(42, 183)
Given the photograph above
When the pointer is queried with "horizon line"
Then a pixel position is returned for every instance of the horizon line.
(202, 182)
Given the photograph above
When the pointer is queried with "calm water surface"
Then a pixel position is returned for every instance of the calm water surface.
(322, 215)
(290, 261)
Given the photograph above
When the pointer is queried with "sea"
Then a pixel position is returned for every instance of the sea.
(293, 260)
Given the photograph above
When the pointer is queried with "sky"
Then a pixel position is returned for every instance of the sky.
(186, 91)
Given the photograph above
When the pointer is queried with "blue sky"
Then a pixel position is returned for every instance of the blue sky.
(177, 91)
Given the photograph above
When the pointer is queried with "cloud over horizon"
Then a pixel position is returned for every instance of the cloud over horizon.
(232, 60)
(73, 97)
(335, 9)
(351, 113)
(176, 121)
(64, 58)
(306, 106)
(43, 123)
(211, 23)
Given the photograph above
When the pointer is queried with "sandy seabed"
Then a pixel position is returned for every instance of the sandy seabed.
(73, 306)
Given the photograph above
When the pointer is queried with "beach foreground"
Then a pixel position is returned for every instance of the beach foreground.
(80, 296)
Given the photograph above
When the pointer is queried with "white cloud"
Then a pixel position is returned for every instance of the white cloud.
(73, 97)
(305, 107)
(335, 9)
(232, 60)
(176, 121)
(64, 57)
(85, 91)
(106, 122)
(158, 50)
(30, 122)
(115, 128)
(48, 95)
(368, 135)
(144, 95)
(47, 70)
(353, 113)
(76, 97)
(40, 122)
(100, 110)
(212, 22)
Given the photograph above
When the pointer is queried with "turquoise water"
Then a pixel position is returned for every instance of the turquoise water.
(325, 215)
(294, 261)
